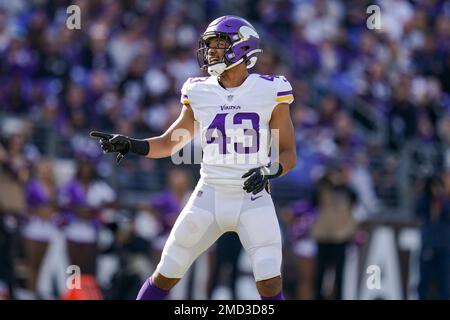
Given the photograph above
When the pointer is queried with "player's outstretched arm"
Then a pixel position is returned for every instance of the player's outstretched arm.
(176, 137)
(180, 133)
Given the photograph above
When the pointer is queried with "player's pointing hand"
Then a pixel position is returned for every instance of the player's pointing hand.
(121, 144)
(113, 143)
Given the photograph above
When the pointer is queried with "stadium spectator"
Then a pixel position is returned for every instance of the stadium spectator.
(82, 200)
(41, 226)
(433, 208)
(300, 217)
(334, 227)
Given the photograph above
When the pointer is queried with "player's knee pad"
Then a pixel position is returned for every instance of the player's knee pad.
(174, 261)
(266, 262)
(192, 227)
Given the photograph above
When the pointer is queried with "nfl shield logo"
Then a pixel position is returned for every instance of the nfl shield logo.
(230, 97)
(199, 193)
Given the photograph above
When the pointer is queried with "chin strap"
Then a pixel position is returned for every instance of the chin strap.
(217, 69)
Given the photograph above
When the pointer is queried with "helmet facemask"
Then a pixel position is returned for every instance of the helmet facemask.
(215, 68)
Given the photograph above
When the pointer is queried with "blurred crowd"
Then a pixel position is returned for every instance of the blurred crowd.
(371, 118)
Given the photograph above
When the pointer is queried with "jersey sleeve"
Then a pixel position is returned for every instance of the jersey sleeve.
(184, 97)
(284, 91)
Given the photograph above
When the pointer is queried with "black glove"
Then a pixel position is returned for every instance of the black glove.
(121, 144)
(259, 177)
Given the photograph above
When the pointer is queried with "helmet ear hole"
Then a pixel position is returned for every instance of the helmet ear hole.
(251, 62)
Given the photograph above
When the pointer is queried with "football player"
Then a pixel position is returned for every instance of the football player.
(235, 113)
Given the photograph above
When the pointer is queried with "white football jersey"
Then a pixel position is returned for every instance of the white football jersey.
(234, 123)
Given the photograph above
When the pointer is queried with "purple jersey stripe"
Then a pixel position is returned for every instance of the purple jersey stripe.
(284, 93)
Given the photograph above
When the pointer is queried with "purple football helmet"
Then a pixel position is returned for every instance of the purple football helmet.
(243, 40)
